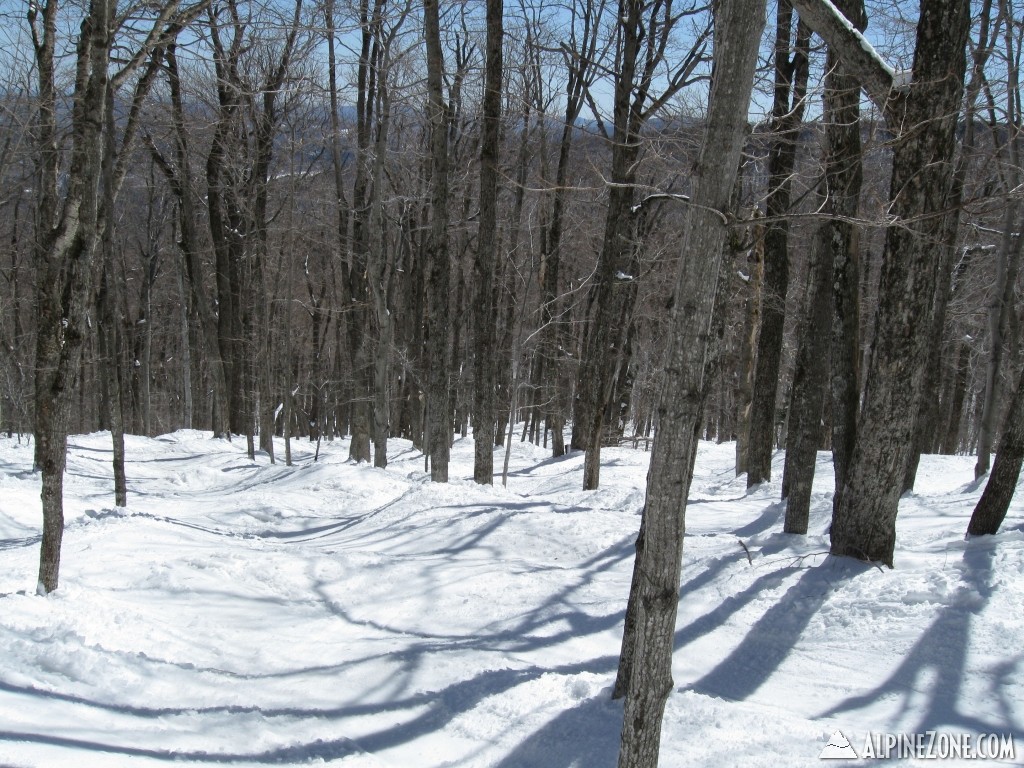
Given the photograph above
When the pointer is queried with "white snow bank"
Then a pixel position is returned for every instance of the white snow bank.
(332, 614)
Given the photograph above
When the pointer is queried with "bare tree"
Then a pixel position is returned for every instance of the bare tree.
(439, 426)
(790, 90)
(833, 297)
(485, 322)
(923, 114)
(645, 664)
(68, 227)
(644, 31)
(1011, 243)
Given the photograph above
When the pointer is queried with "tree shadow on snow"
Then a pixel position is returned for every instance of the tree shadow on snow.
(436, 710)
(586, 736)
(931, 676)
(772, 637)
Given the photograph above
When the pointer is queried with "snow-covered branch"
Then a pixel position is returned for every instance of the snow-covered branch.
(858, 55)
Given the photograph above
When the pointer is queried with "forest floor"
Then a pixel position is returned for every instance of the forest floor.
(246, 614)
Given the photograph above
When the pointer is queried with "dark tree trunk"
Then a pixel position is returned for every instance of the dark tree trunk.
(643, 34)
(844, 174)
(180, 179)
(439, 429)
(604, 331)
(67, 225)
(484, 320)
(645, 664)
(787, 116)
(360, 342)
(864, 516)
(950, 438)
(751, 323)
(108, 309)
(1002, 482)
(1001, 307)
(928, 409)
(808, 393)
(380, 268)
(832, 297)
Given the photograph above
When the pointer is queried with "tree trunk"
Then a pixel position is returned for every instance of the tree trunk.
(808, 393)
(928, 410)
(484, 320)
(108, 308)
(645, 664)
(751, 324)
(950, 437)
(787, 117)
(1002, 482)
(1001, 307)
(864, 516)
(834, 260)
(67, 235)
(844, 174)
(181, 182)
(642, 37)
(380, 266)
(438, 320)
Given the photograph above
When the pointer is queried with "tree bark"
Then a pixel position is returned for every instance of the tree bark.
(787, 116)
(67, 234)
(844, 175)
(928, 410)
(864, 515)
(832, 300)
(808, 393)
(180, 179)
(439, 428)
(643, 34)
(484, 320)
(1001, 307)
(950, 437)
(1002, 482)
(645, 664)
(748, 348)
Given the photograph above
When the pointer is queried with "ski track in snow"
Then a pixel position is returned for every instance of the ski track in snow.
(248, 614)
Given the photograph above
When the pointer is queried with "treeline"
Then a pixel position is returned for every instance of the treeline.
(267, 240)
(251, 310)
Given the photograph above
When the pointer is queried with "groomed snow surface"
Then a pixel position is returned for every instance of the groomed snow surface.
(245, 614)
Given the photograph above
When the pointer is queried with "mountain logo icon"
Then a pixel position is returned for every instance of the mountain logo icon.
(838, 748)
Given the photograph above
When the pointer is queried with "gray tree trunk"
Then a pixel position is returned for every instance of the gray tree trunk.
(809, 379)
(1001, 306)
(925, 115)
(644, 32)
(833, 261)
(439, 424)
(748, 349)
(1002, 482)
(928, 409)
(180, 179)
(67, 232)
(787, 117)
(484, 320)
(645, 664)
(844, 175)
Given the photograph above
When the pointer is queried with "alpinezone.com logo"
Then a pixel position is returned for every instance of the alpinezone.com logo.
(930, 745)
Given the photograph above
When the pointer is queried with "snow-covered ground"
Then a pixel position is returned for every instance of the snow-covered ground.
(332, 614)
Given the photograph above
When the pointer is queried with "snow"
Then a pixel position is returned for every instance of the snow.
(864, 43)
(335, 614)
